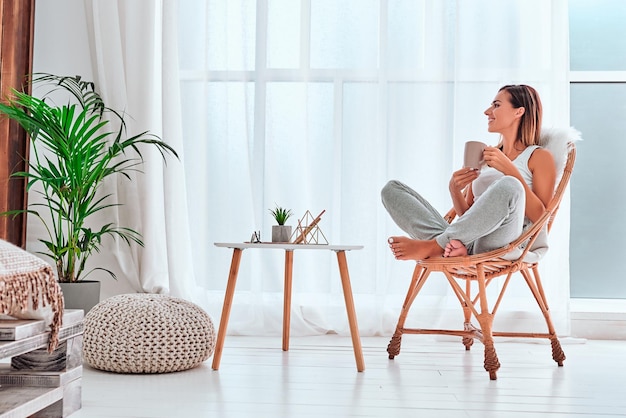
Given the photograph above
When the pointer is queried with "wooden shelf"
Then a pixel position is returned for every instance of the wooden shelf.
(35, 382)
(72, 326)
(17, 329)
(24, 401)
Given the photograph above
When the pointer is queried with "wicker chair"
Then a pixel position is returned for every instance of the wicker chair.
(481, 269)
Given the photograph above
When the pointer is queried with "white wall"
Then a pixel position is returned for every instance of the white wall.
(61, 43)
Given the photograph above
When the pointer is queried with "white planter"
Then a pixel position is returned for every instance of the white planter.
(281, 233)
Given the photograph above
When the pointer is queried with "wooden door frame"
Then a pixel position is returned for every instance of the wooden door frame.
(17, 19)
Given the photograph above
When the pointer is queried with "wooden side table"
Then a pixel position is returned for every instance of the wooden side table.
(289, 249)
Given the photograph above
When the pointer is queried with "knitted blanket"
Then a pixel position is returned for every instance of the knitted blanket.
(28, 289)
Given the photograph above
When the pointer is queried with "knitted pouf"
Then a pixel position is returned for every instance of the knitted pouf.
(147, 333)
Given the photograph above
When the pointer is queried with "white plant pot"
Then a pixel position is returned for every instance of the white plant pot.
(281, 233)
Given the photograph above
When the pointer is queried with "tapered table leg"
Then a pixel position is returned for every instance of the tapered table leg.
(347, 294)
(287, 298)
(228, 300)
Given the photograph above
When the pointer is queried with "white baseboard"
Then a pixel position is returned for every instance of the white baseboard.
(598, 319)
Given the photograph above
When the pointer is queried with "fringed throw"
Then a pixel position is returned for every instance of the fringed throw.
(28, 285)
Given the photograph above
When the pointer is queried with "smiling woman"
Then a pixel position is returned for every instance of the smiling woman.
(494, 204)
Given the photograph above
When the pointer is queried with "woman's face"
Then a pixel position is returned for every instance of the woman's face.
(501, 115)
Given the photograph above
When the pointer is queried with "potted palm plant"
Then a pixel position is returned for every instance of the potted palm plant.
(281, 232)
(76, 146)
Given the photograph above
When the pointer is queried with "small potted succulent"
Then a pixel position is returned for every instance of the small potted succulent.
(281, 232)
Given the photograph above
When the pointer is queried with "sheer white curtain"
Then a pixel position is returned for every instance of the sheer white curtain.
(133, 47)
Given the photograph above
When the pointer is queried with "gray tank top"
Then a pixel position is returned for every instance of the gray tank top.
(488, 174)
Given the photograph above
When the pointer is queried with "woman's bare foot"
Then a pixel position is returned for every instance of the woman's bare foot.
(454, 248)
(405, 248)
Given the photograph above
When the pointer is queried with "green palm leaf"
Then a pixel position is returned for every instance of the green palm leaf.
(75, 149)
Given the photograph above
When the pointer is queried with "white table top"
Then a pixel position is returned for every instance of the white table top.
(287, 246)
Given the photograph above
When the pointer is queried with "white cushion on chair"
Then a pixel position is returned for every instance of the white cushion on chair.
(555, 140)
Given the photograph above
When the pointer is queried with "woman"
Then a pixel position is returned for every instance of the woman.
(509, 193)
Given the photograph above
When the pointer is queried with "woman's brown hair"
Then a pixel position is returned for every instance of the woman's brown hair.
(530, 124)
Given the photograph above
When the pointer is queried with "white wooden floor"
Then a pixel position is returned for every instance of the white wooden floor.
(317, 378)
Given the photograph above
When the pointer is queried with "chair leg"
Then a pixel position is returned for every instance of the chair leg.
(468, 309)
(393, 348)
(420, 274)
(485, 319)
(537, 290)
(492, 364)
(557, 352)
(476, 333)
(491, 361)
(468, 342)
(467, 315)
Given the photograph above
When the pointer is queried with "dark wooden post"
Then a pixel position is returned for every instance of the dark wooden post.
(16, 58)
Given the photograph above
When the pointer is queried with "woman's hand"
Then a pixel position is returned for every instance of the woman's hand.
(496, 159)
(461, 178)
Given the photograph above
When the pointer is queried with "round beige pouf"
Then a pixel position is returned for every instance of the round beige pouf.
(147, 333)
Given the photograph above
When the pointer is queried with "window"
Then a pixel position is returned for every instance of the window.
(598, 106)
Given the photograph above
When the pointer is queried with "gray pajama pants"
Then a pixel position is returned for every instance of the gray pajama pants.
(495, 219)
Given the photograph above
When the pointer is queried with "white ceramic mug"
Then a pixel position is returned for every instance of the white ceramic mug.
(473, 156)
